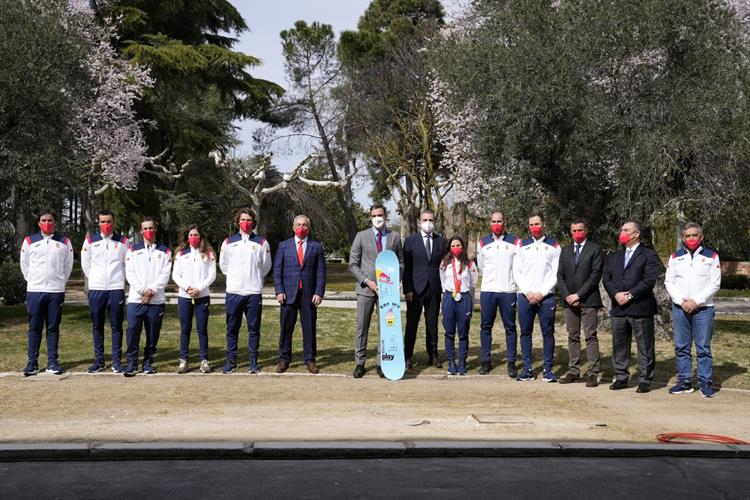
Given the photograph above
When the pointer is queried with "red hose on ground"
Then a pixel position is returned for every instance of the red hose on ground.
(688, 437)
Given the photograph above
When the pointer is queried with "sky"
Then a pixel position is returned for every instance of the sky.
(266, 19)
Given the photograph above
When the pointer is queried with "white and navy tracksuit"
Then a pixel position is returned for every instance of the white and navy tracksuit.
(103, 263)
(46, 264)
(457, 314)
(695, 276)
(146, 267)
(193, 269)
(245, 259)
(495, 256)
(535, 270)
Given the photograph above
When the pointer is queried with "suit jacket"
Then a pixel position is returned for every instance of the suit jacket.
(639, 278)
(419, 271)
(287, 272)
(582, 278)
(363, 254)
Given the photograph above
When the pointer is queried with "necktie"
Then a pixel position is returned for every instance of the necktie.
(300, 257)
(578, 253)
(379, 241)
(628, 254)
(428, 247)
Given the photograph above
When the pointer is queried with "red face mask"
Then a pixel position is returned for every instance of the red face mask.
(194, 241)
(456, 251)
(301, 232)
(692, 245)
(497, 228)
(149, 235)
(246, 226)
(47, 227)
(579, 237)
(624, 238)
(537, 231)
(105, 228)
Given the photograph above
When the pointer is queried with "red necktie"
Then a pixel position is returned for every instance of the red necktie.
(379, 241)
(300, 257)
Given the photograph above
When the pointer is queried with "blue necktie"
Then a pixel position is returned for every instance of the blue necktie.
(628, 254)
(578, 252)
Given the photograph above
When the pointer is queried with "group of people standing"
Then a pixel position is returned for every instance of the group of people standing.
(519, 278)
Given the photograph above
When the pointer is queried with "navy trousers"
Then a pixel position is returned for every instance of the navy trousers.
(489, 303)
(252, 307)
(526, 314)
(102, 302)
(308, 314)
(140, 316)
(457, 317)
(186, 310)
(44, 308)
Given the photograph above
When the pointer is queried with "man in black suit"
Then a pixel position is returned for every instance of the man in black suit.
(578, 275)
(629, 279)
(422, 253)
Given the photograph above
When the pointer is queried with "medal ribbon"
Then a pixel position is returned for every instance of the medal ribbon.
(456, 280)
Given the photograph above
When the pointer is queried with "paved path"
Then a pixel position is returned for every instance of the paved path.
(348, 300)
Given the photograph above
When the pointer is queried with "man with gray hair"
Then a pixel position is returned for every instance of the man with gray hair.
(299, 276)
(693, 277)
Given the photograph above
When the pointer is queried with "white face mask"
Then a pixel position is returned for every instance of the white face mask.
(378, 222)
(427, 227)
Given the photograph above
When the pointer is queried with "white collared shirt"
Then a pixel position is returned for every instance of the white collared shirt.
(245, 260)
(46, 262)
(103, 261)
(535, 265)
(304, 245)
(695, 276)
(148, 267)
(495, 256)
(193, 269)
(468, 277)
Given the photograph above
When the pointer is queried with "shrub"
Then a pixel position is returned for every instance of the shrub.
(12, 284)
(735, 282)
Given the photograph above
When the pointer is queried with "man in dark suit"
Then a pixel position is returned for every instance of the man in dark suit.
(578, 275)
(299, 276)
(365, 249)
(422, 253)
(629, 279)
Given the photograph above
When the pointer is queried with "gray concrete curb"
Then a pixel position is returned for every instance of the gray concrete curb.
(19, 452)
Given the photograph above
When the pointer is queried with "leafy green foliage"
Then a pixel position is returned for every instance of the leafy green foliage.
(12, 286)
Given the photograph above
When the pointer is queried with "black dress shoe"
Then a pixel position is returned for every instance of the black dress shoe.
(380, 372)
(409, 364)
(592, 380)
(618, 384)
(437, 364)
(359, 371)
(643, 388)
(485, 368)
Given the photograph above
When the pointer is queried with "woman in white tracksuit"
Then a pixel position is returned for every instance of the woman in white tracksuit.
(194, 271)
(458, 276)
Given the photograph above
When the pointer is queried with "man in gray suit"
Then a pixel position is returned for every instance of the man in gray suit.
(365, 249)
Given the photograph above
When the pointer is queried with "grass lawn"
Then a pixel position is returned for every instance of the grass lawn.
(731, 345)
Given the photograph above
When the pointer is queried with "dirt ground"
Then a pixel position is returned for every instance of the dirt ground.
(243, 407)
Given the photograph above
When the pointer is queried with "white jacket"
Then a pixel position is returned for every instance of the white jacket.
(147, 268)
(103, 261)
(696, 276)
(192, 269)
(245, 260)
(535, 265)
(46, 262)
(468, 277)
(495, 260)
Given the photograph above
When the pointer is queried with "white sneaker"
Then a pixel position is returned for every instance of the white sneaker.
(183, 368)
(205, 368)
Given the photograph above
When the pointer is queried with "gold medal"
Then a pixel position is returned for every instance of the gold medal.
(457, 296)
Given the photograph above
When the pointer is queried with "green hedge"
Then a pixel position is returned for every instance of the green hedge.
(12, 284)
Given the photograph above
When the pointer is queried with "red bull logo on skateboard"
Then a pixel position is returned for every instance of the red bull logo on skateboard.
(384, 278)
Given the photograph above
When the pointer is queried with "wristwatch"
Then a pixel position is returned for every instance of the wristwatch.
(630, 296)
